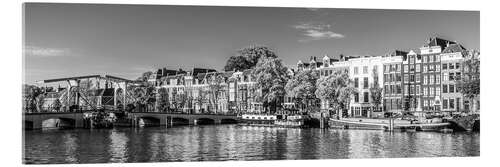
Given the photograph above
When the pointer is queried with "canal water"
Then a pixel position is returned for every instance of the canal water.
(235, 142)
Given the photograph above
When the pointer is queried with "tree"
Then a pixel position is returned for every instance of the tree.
(57, 105)
(180, 100)
(376, 91)
(337, 90)
(248, 58)
(302, 88)
(271, 78)
(31, 92)
(40, 100)
(200, 99)
(162, 102)
(237, 63)
(215, 85)
(469, 84)
(143, 96)
(145, 76)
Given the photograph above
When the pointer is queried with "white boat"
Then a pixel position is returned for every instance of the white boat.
(258, 119)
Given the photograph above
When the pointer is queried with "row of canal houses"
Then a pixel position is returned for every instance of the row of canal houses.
(420, 81)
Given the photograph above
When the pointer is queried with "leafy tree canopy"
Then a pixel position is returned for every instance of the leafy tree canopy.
(303, 85)
(271, 78)
(336, 88)
(248, 58)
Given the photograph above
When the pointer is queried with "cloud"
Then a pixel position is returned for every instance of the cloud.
(46, 52)
(316, 32)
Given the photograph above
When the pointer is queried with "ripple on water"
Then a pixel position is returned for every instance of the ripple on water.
(233, 142)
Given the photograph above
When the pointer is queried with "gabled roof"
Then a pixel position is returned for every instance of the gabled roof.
(438, 42)
(196, 71)
(452, 48)
(396, 53)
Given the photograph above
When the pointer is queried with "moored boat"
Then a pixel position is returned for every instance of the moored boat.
(292, 121)
(257, 119)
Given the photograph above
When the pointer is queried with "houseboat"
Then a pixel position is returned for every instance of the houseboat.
(292, 121)
(274, 120)
(258, 119)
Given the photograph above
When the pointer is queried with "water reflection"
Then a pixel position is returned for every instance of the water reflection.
(232, 142)
(118, 146)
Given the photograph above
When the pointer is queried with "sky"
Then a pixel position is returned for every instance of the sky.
(62, 40)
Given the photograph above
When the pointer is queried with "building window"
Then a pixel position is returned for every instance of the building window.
(466, 105)
(425, 68)
(451, 88)
(431, 91)
(438, 67)
(445, 103)
(355, 70)
(457, 66)
(406, 79)
(438, 91)
(426, 103)
(445, 88)
(417, 78)
(392, 89)
(365, 69)
(386, 89)
(365, 97)
(412, 89)
(406, 68)
(418, 89)
(406, 89)
(398, 67)
(356, 97)
(426, 79)
(386, 68)
(445, 66)
(425, 89)
(452, 66)
(398, 89)
(445, 76)
(412, 59)
(451, 76)
(452, 103)
(412, 78)
(425, 59)
(458, 76)
(356, 82)
(365, 82)
(431, 67)
(417, 68)
(398, 77)
(438, 79)
(431, 79)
